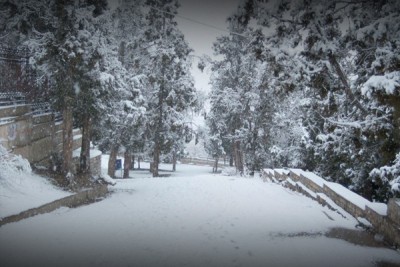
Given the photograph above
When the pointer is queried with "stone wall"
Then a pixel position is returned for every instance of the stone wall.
(386, 224)
(394, 210)
(34, 137)
(343, 202)
(78, 199)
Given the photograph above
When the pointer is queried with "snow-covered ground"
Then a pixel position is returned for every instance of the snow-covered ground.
(20, 189)
(193, 218)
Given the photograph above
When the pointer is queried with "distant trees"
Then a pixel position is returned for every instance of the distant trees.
(331, 80)
(121, 74)
(343, 52)
(238, 97)
(170, 89)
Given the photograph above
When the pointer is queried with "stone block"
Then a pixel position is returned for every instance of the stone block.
(40, 131)
(394, 210)
(18, 133)
(310, 184)
(95, 166)
(41, 149)
(14, 111)
(24, 152)
(43, 118)
(58, 126)
(351, 208)
(77, 143)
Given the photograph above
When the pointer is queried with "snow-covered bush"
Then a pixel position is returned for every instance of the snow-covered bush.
(11, 164)
(389, 175)
(13, 169)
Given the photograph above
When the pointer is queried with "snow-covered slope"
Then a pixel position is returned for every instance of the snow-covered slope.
(192, 218)
(20, 189)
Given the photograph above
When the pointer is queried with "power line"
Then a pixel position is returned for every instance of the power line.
(199, 22)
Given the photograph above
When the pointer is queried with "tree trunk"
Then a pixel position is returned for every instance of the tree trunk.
(127, 163)
(343, 79)
(215, 168)
(238, 158)
(156, 160)
(138, 162)
(231, 160)
(67, 166)
(111, 161)
(84, 162)
(132, 162)
(174, 161)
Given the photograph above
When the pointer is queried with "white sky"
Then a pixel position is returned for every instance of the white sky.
(200, 37)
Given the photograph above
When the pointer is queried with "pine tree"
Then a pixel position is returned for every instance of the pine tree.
(122, 81)
(170, 92)
(337, 50)
(238, 122)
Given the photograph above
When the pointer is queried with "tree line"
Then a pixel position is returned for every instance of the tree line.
(312, 85)
(121, 74)
(303, 84)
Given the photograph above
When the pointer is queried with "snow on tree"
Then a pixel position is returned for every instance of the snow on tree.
(343, 57)
(169, 91)
(122, 102)
(237, 123)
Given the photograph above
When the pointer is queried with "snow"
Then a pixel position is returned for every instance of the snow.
(364, 221)
(298, 172)
(15, 106)
(290, 181)
(314, 178)
(349, 195)
(6, 120)
(380, 208)
(306, 189)
(20, 189)
(282, 171)
(331, 203)
(93, 153)
(25, 191)
(77, 137)
(387, 83)
(193, 218)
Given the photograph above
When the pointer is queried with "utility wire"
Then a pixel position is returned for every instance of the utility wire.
(199, 22)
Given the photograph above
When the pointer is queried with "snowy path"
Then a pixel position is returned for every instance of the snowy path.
(192, 218)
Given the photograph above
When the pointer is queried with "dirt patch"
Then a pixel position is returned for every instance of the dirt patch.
(79, 182)
(356, 237)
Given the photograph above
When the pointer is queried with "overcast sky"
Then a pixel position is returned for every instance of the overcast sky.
(199, 36)
(209, 12)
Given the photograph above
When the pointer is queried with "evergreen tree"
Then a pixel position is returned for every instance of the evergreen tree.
(170, 90)
(338, 51)
(121, 78)
(238, 121)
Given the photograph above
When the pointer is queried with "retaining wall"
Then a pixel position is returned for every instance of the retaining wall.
(79, 199)
(34, 137)
(385, 223)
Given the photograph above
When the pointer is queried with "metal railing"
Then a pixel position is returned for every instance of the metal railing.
(12, 98)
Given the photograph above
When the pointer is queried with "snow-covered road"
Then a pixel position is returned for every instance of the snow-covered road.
(192, 218)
